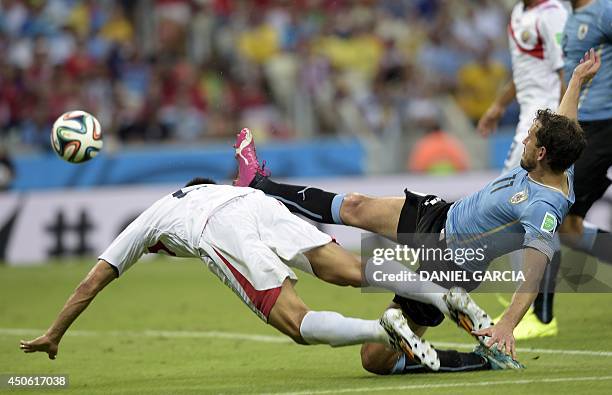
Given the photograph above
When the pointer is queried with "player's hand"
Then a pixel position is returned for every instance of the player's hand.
(488, 122)
(588, 67)
(500, 334)
(42, 343)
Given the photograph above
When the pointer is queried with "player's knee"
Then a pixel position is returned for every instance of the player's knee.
(572, 225)
(334, 265)
(371, 361)
(571, 230)
(354, 276)
(348, 275)
(351, 209)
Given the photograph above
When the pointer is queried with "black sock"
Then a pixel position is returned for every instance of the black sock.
(602, 248)
(451, 361)
(312, 203)
(543, 304)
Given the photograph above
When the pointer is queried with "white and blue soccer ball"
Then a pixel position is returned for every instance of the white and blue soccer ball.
(76, 136)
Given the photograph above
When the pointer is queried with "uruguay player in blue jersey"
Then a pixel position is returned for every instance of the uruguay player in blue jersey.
(589, 26)
(531, 200)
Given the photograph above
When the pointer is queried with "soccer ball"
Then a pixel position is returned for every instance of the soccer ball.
(76, 136)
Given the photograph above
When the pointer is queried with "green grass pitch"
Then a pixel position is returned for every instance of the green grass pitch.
(168, 326)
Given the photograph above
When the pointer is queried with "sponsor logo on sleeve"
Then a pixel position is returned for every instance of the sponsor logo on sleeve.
(549, 223)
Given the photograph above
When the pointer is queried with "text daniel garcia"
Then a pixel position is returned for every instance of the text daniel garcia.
(450, 275)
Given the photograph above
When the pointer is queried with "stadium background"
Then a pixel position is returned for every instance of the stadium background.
(359, 95)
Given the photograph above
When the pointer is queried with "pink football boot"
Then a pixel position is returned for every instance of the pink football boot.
(246, 156)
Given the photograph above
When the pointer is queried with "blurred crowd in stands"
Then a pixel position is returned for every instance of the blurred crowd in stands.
(184, 71)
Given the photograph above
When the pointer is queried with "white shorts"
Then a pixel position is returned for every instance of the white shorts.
(526, 117)
(250, 244)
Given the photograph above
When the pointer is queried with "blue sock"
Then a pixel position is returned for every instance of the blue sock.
(399, 365)
(335, 208)
(587, 240)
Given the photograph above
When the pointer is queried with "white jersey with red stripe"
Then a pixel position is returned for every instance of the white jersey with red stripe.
(249, 240)
(173, 225)
(535, 35)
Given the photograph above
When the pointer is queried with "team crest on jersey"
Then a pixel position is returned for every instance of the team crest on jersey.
(549, 223)
(519, 197)
(583, 29)
(525, 36)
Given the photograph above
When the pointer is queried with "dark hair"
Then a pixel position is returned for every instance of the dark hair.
(562, 137)
(199, 181)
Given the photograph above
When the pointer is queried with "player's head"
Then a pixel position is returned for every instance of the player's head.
(199, 181)
(575, 3)
(554, 142)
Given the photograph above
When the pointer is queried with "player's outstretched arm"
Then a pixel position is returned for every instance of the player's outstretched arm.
(502, 332)
(97, 278)
(588, 67)
(488, 122)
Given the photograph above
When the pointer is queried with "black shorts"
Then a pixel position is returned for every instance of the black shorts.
(591, 169)
(421, 215)
(421, 221)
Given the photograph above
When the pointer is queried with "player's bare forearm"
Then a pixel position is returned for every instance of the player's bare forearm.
(569, 103)
(488, 122)
(533, 269)
(518, 308)
(588, 67)
(502, 332)
(506, 95)
(98, 277)
(561, 75)
(94, 282)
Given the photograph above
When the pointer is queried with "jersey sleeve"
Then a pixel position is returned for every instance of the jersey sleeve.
(540, 221)
(606, 20)
(128, 247)
(551, 25)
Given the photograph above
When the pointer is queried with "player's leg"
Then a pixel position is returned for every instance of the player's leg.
(424, 301)
(379, 359)
(590, 183)
(333, 264)
(378, 215)
(375, 214)
(586, 237)
(513, 159)
(291, 317)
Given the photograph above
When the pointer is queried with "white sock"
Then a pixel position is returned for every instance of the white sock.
(422, 291)
(329, 327)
